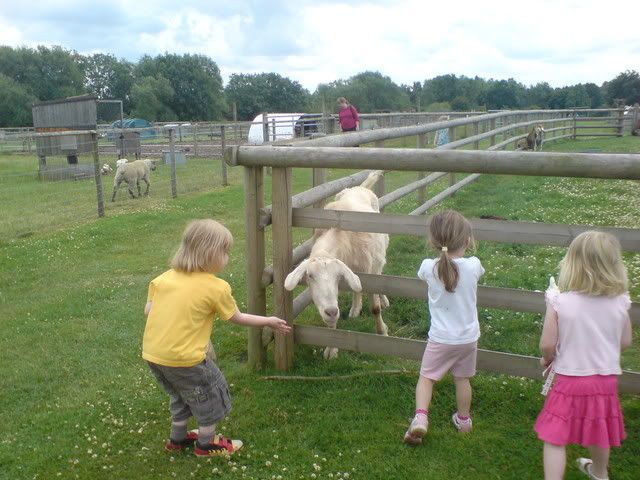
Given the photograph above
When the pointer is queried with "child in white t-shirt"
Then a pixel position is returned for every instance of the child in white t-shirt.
(452, 345)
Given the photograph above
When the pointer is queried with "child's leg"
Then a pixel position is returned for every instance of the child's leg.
(463, 396)
(206, 433)
(555, 459)
(424, 391)
(600, 459)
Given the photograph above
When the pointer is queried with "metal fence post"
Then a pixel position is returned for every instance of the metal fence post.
(172, 150)
(97, 173)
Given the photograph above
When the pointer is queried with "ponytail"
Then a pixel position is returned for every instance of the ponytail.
(449, 230)
(447, 271)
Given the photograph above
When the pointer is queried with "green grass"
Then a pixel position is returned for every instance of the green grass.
(78, 402)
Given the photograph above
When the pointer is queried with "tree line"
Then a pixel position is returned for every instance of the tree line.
(172, 87)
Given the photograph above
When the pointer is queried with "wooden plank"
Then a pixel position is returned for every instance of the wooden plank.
(301, 302)
(319, 177)
(318, 193)
(408, 189)
(551, 164)
(488, 360)
(255, 250)
(490, 230)
(488, 297)
(282, 261)
(97, 174)
(299, 253)
(447, 192)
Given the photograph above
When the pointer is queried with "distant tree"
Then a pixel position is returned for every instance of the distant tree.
(595, 95)
(15, 103)
(539, 95)
(626, 85)
(414, 92)
(461, 104)
(576, 96)
(438, 107)
(151, 97)
(504, 94)
(108, 78)
(195, 80)
(46, 73)
(265, 92)
(368, 91)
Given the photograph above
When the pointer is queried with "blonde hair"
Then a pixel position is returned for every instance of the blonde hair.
(593, 265)
(449, 231)
(342, 100)
(204, 243)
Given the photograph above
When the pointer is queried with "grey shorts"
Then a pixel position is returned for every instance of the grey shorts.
(200, 391)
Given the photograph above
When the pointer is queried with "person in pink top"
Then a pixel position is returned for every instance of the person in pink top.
(586, 326)
(348, 116)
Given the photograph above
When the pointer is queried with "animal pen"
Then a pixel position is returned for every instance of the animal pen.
(288, 211)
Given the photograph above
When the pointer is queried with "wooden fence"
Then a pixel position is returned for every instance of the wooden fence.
(289, 211)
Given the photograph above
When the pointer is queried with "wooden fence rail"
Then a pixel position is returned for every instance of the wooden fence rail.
(491, 361)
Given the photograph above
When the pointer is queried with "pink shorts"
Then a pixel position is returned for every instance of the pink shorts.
(439, 358)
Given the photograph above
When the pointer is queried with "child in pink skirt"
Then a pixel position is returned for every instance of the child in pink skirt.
(452, 282)
(585, 327)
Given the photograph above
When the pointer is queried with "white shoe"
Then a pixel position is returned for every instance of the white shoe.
(463, 426)
(584, 465)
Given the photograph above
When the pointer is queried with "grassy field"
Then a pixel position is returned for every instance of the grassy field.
(78, 402)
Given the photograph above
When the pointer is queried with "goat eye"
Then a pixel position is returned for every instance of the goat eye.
(309, 276)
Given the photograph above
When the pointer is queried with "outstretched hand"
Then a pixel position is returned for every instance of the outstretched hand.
(279, 325)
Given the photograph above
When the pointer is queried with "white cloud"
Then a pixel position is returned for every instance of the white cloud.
(562, 42)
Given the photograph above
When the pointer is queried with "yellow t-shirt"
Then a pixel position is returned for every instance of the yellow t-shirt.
(179, 325)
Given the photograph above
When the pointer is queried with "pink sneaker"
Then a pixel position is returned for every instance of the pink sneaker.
(417, 429)
(463, 426)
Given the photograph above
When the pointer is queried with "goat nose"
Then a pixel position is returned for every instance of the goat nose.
(331, 311)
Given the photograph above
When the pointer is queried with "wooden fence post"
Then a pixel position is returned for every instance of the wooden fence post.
(492, 126)
(97, 173)
(256, 295)
(422, 143)
(476, 131)
(172, 152)
(319, 177)
(575, 124)
(620, 122)
(379, 188)
(223, 144)
(195, 140)
(452, 138)
(235, 125)
(265, 128)
(282, 262)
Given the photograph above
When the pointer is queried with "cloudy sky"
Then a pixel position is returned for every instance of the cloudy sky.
(562, 42)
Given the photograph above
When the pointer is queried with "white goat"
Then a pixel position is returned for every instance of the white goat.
(132, 173)
(336, 253)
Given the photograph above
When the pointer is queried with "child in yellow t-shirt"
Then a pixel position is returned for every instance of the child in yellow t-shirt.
(181, 305)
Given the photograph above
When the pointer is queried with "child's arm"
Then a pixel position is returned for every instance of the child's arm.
(627, 336)
(549, 338)
(250, 320)
(147, 308)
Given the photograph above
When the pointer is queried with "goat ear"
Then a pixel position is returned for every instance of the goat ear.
(294, 277)
(350, 277)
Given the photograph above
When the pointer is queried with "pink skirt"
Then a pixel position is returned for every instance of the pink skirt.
(582, 411)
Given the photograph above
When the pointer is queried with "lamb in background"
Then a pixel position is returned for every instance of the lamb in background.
(336, 253)
(106, 169)
(132, 173)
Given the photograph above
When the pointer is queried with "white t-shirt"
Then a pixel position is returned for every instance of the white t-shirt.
(454, 315)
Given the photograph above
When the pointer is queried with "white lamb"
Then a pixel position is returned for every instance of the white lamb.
(121, 161)
(106, 169)
(132, 173)
(336, 253)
